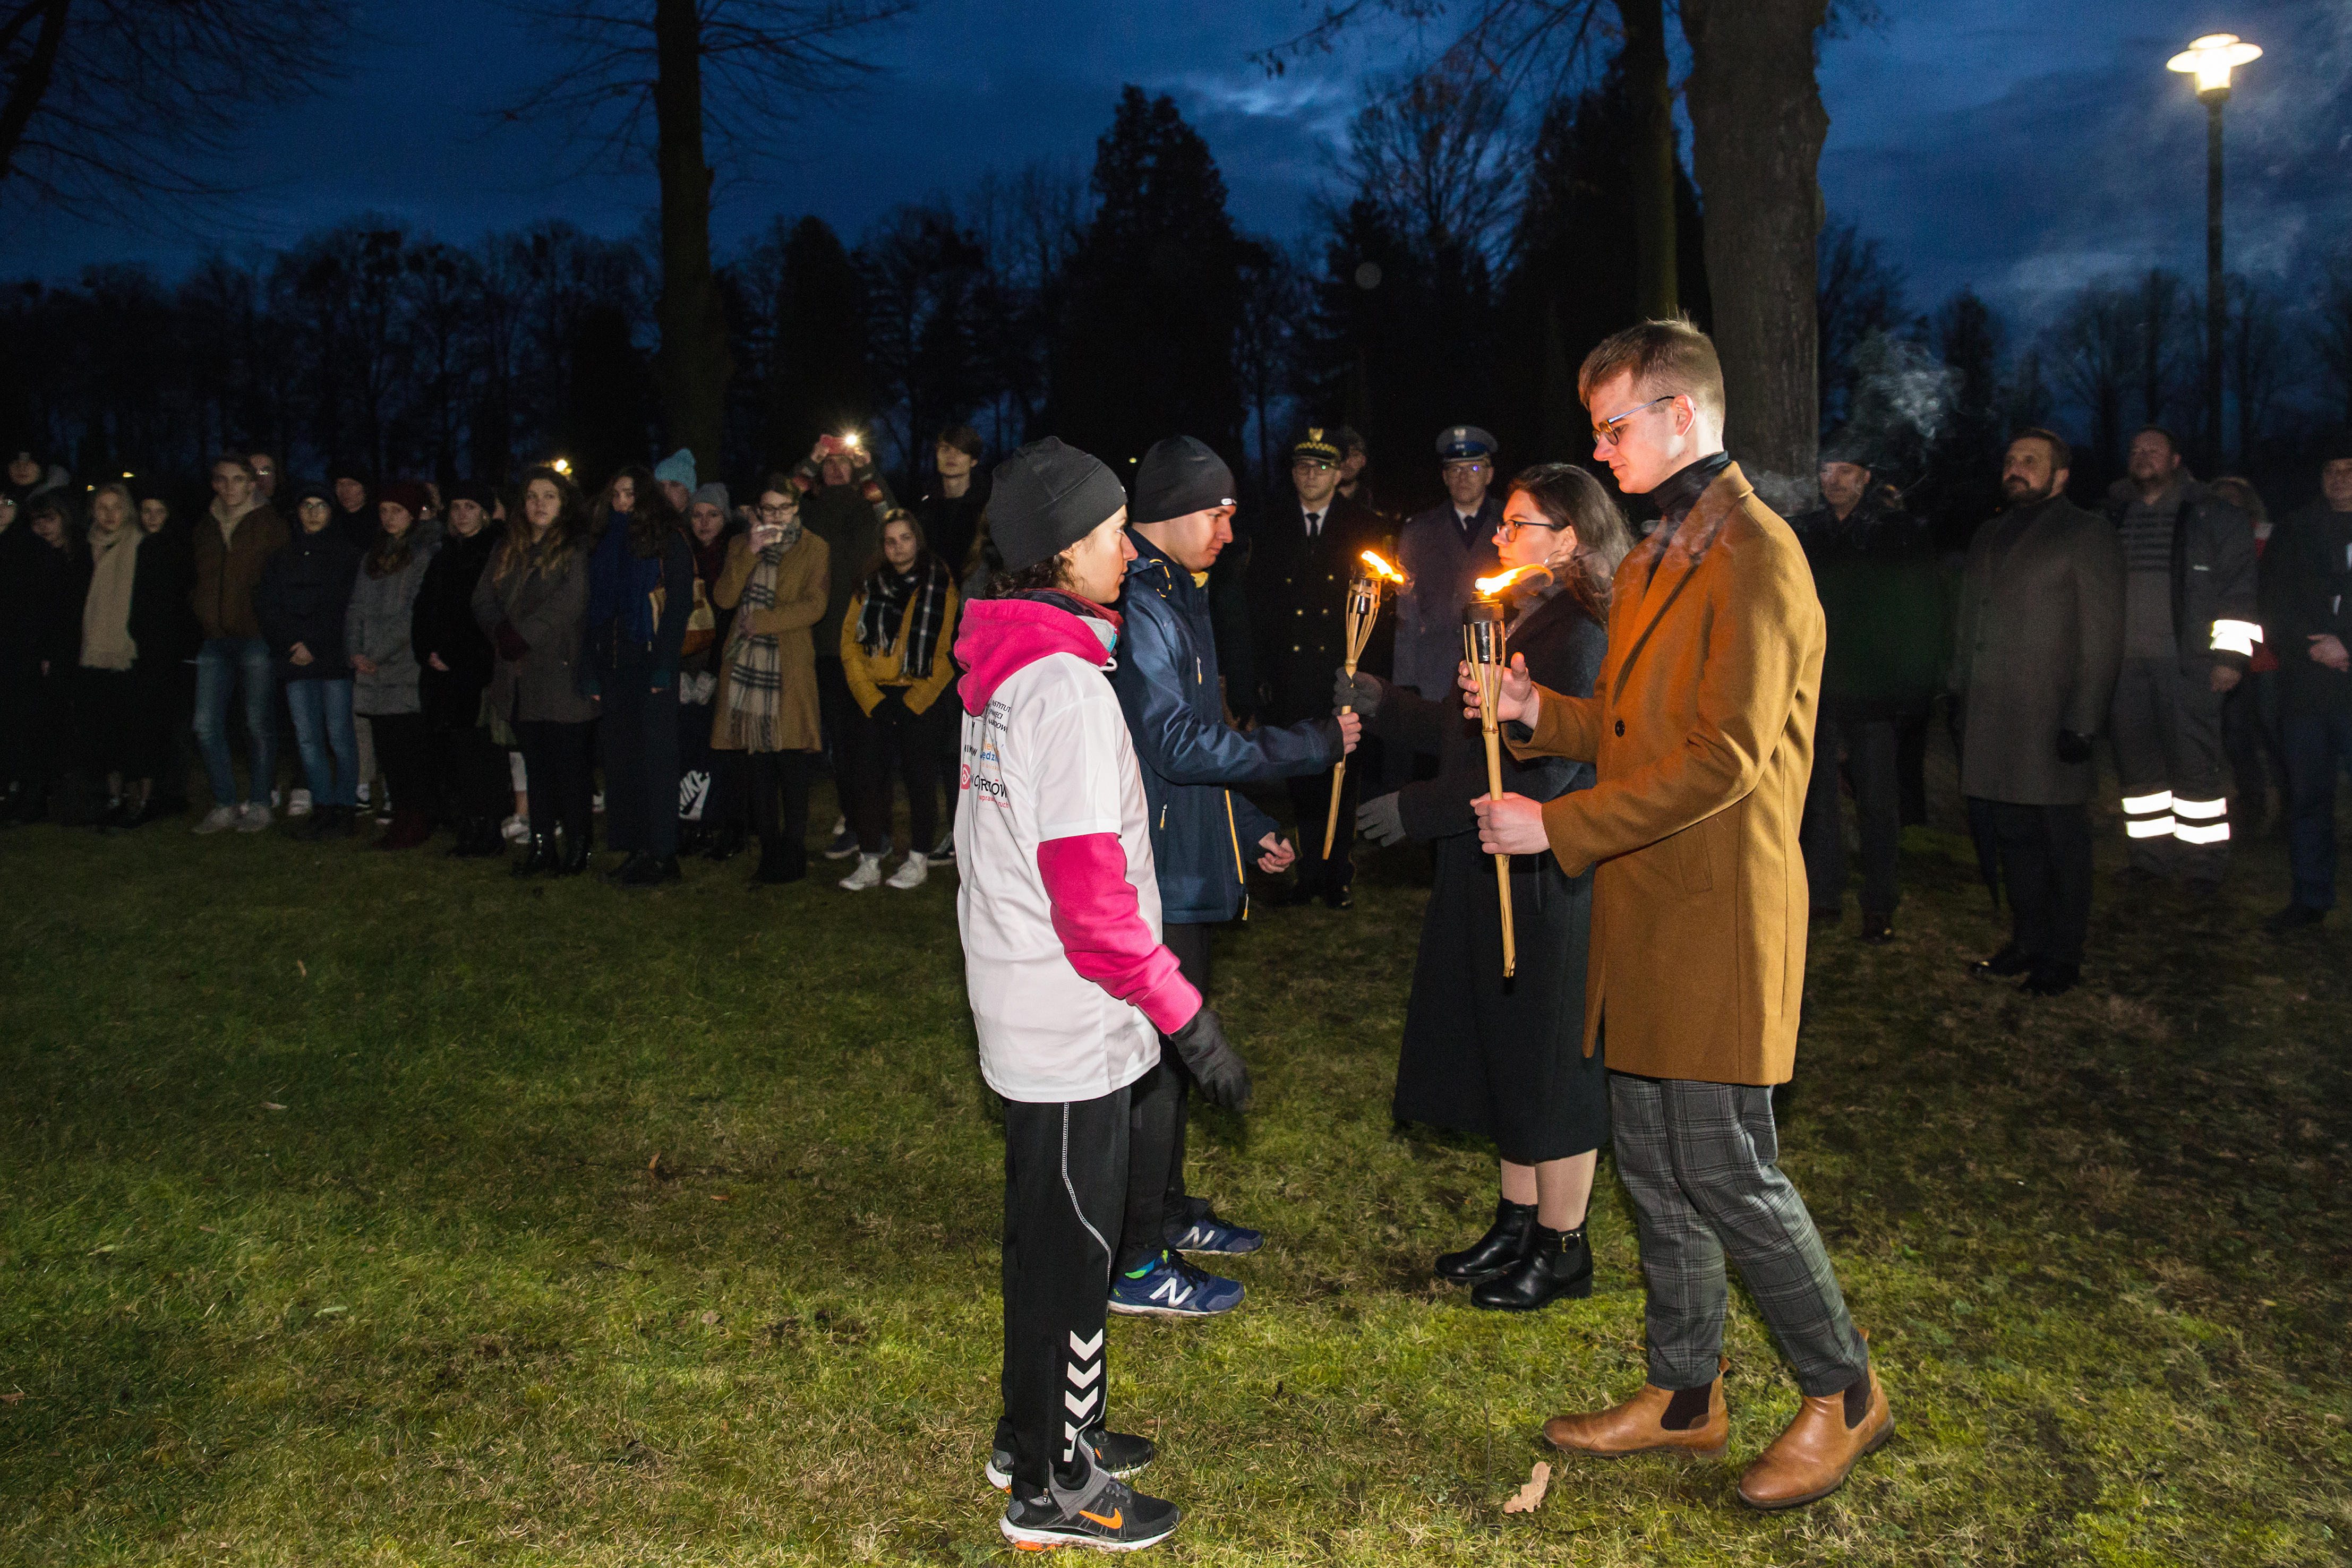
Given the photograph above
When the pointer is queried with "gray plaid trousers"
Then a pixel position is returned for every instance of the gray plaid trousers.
(1701, 1163)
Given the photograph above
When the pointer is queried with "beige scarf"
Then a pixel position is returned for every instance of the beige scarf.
(106, 641)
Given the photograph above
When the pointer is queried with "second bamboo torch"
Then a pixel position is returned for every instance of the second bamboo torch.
(1363, 610)
(1483, 646)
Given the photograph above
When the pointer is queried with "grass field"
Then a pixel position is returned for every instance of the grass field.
(363, 1208)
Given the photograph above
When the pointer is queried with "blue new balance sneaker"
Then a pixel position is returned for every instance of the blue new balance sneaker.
(1205, 1232)
(1171, 1287)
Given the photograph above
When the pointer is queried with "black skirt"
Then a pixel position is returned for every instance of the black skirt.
(1494, 1057)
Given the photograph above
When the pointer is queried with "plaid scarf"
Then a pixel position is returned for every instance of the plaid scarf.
(755, 692)
(887, 596)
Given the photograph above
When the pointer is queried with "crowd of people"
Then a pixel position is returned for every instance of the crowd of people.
(1108, 689)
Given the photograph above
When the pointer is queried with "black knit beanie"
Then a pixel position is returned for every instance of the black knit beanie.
(1178, 477)
(1047, 498)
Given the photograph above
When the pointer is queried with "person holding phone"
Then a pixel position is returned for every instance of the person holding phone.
(764, 710)
(843, 500)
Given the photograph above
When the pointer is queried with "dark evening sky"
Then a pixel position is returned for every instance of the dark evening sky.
(2019, 147)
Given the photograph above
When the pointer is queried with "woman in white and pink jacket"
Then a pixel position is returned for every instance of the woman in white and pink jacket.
(1071, 989)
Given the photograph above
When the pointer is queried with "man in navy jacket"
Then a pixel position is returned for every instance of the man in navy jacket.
(1202, 834)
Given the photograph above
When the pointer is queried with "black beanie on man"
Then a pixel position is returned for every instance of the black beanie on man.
(1047, 498)
(1178, 477)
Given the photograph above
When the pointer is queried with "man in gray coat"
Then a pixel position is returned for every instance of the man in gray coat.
(2040, 638)
(2190, 631)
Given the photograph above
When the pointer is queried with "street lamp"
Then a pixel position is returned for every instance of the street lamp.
(2211, 60)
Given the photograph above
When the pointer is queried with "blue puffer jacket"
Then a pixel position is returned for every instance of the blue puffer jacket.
(1202, 834)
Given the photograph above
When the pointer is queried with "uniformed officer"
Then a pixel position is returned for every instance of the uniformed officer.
(1442, 551)
(1304, 554)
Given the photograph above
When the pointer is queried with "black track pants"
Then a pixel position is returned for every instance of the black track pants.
(1161, 1098)
(1064, 1179)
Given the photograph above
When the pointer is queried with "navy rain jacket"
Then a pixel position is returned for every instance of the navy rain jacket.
(1204, 836)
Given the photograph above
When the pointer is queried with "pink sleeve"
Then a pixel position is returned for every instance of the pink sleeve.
(1102, 930)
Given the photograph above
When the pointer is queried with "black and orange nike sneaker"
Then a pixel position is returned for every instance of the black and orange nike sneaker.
(1102, 1513)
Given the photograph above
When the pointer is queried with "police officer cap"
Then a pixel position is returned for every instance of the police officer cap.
(1461, 443)
(1316, 446)
(1048, 496)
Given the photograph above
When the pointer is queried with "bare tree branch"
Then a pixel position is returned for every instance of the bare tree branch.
(127, 108)
(763, 60)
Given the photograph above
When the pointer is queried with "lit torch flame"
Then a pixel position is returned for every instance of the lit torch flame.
(1488, 587)
(1380, 568)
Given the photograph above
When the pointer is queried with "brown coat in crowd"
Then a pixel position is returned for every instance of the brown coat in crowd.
(1701, 728)
(227, 570)
(803, 582)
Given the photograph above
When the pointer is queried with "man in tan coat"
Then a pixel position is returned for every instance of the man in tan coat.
(1701, 728)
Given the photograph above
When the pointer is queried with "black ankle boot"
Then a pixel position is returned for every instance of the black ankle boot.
(779, 863)
(538, 857)
(1500, 1249)
(629, 871)
(725, 844)
(1558, 1267)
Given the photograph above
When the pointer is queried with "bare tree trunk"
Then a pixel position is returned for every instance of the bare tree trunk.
(693, 365)
(1657, 291)
(32, 82)
(1758, 125)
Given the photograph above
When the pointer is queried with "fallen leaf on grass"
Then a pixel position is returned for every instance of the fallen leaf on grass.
(302, 968)
(653, 1165)
(722, 1197)
(271, 1105)
(1530, 1498)
(710, 1320)
(208, 1231)
(12, 1398)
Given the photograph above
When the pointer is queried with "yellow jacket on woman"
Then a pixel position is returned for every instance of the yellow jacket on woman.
(869, 673)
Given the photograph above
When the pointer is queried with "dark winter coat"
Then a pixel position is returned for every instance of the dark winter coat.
(1298, 597)
(1204, 836)
(160, 621)
(950, 523)
(622, 633)
(305, 596)
(2216, 573)
(1483, 1055)
(848, 518)
(1441, 562)
(2307, 590)
(442, 622)
(2036, 649)
(1874, 571)
(381, 623)
(547, 611)
(41, 600)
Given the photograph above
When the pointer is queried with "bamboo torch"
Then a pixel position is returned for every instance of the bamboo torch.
(1483, 641)
(1363, 610)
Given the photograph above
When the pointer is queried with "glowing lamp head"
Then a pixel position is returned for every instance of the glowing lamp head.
(562, 466)
(1380, 570)
(2212, 58)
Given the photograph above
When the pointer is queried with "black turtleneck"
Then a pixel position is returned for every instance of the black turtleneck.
(1680, 491)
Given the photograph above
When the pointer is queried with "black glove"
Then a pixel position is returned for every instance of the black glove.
(1360, 691)
(1223, 1078)
(2073, 745)
(1381, 819)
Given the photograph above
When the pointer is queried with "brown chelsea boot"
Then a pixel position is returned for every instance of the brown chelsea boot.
(1695, 1421)
(1822, 1446)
